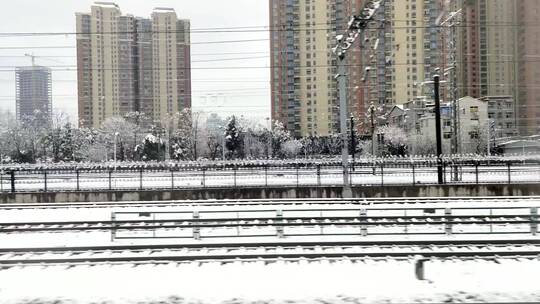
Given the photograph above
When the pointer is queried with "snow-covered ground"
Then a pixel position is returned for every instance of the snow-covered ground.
(459, 207)
(324, 281)
(258, 177)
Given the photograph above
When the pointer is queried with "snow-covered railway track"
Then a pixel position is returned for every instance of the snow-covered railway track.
(254, 222)
(269, 202)
(293, 251)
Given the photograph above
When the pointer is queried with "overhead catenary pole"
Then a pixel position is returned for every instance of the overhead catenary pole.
(356, 25)
(372, 119)
(438, 136)
(342, 84)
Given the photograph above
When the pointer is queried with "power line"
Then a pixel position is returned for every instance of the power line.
(73, 46)
(278, 28)
(73, 67)
(192, 55)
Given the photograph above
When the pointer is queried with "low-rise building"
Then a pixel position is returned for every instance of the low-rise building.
(501, 112)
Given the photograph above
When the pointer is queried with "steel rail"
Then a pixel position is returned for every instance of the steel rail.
(263, 202)
(408, 255)
(268, 222)
(282, 244)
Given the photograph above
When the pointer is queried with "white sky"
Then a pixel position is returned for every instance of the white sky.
(225, 91)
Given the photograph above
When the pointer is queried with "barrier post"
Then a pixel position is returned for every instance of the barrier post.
(45, 180)
(509, 172)
(12, 177)
(382, 174)
(279, 228)
(297, 174)
(204, 177)
(413, 175)
(363, 228)
(196, 230)
(534, 220)
(140, 179)
(476, 171)
(113, 226)
(77, 178)
(110, 180)
(318, 174)
(448, 219)
(266, 176)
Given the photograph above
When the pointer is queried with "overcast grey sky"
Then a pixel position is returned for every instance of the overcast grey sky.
(225, 91)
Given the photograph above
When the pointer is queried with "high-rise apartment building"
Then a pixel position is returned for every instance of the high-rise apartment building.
(528, 66)
(487, 48)
(128, 64)
(33, 94)
(304, 91)
(498, 46)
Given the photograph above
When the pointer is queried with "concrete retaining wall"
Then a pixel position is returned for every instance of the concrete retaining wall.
(277, 192)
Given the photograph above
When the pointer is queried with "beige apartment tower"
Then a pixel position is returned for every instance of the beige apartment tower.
(129, 64)
(498, 55)
(304, 91)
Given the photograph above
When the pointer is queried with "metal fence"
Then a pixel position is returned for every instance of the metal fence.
(171, 177)
(283, 223)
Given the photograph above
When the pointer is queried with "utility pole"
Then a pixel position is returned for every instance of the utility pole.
(355, 26)
(450, 24)
(342, 85)
(436, 84)
(372, 118)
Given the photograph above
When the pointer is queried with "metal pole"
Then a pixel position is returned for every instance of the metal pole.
(223, 147)
(509, 172)
(342, 83)
(488, 138)
(372, 113)
(266, 175)
(140, 179)
(78, 185)
(45, 179)
(12, 177)
(353, 142)
(115, 149)
(436, 82)
(172, 179)
(234, 173)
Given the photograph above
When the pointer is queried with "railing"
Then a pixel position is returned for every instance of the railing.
(171, 177)
(282, 223)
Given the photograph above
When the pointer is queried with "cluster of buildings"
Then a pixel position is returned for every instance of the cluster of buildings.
(124, 64)
(485, 51)
(482, 49)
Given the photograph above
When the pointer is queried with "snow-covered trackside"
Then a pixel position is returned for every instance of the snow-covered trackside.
(344, 281)
(338, 280)
(249, 173)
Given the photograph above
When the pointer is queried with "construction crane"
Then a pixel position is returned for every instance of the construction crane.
(33, 57)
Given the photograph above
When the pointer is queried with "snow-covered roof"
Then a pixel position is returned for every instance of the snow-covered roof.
(164, 10)
(109, 4)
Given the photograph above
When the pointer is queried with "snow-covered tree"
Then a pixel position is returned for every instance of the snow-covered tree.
(292, 148)
(279, 136)
(233, 139)
(59, 138)
(153, 148)
(124, 131)
(181, 135)
(395, 140)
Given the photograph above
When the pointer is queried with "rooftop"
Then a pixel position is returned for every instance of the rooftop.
(102, 3)
(164, 9)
